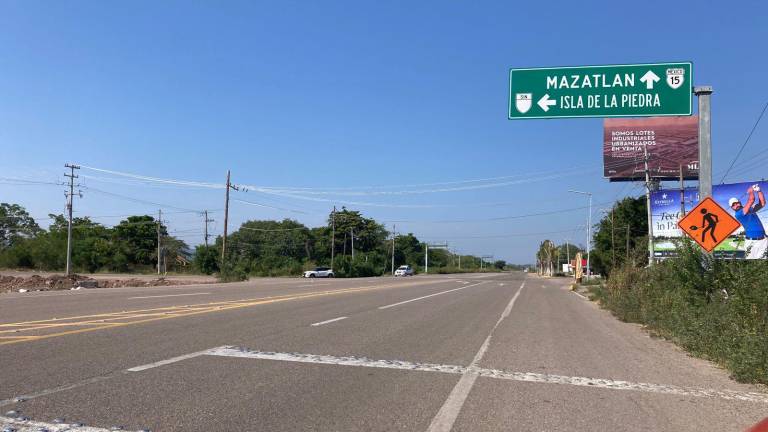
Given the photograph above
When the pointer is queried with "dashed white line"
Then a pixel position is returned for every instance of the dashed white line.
(168, 361)
(169, 295)
(443, 421)
(428, 296)
(328, 321)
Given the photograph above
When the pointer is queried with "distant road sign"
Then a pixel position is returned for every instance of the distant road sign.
(638, 90)
(708, 224)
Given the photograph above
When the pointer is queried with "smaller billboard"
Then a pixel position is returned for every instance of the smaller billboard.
(673, 142)
(744, 201)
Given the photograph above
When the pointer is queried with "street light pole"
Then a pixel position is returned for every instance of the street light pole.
(589, 227)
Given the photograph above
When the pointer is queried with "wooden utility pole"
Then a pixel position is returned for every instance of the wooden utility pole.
(333, 234)
(226, 218)
(682, 193)
(70, 198)
(394, 230)
(206, 221)
(159, 221)
(613, 241)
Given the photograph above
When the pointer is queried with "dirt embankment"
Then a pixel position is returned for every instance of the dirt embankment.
(61, 282)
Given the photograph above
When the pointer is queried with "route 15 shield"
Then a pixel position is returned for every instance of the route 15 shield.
(675, 77)
(523, 102)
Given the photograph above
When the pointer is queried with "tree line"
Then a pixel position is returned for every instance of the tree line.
(355, 245)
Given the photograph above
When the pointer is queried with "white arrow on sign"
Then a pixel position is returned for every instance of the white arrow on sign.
(545, 102)
(649, 79)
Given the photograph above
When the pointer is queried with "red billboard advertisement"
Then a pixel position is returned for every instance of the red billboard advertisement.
(672, 142)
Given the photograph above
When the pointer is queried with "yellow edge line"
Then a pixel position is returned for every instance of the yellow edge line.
(219, 307)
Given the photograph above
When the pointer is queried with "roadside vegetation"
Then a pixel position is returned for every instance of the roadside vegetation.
(714, 308)
(256, 248)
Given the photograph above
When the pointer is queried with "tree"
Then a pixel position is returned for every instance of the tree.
(626, 223)
(15, 225)
(500, 264)
(547, 257)
(206, 259)
(136, 238)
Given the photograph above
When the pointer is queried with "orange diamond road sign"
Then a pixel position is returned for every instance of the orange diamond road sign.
(708, 224)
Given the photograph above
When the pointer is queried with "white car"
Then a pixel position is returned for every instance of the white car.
(404, 270)
(319, 272)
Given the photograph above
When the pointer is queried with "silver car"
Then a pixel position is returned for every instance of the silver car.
(319, 272)
(404, 270)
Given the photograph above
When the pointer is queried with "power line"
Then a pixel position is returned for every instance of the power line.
(760, 117)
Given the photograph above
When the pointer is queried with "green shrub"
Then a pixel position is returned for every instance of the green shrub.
(716, 309)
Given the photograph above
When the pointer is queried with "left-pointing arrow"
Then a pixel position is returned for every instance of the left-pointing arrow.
(545, 102)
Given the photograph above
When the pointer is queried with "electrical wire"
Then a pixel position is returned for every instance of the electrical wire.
(760, 117)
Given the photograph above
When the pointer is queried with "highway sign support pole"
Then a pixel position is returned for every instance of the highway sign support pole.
(705, 141)
(426, 258)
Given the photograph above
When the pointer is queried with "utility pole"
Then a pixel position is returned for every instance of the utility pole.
(704, 94)
(159, 221)
(682, 193)
(226, 218)
(352, 236)
(613, 241)
(426, 258)
(70, 198)
(206, 221)
(568, 253)
(394, 231)
(628, 241)
(648, 204)
(333, 234)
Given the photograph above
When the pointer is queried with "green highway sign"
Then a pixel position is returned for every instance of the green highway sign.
(638, 90)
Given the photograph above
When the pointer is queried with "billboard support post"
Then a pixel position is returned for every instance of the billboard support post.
(705, 141)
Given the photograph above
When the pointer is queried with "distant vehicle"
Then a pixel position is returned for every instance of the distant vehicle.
(404, 270)
(319, 272)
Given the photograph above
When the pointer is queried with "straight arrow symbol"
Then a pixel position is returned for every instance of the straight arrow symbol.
(649, 79)
(545, 102)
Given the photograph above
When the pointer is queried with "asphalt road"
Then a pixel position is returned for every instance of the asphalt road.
(498, 352)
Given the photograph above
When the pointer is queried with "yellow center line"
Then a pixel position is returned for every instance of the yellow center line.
(98, 321)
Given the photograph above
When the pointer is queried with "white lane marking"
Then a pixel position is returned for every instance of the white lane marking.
(31, 425)
(580, 295)
(446, 417)
(428, 296)
(328, 321)
(47, 392)
(169, 295)
(168, 361)
(229, 351)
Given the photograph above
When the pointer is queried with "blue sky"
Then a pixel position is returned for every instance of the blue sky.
(347, 95)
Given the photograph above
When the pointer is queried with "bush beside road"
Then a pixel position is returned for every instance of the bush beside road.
(715, 309)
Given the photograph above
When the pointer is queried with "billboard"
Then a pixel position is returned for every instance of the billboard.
(745, 201)
(672, 142)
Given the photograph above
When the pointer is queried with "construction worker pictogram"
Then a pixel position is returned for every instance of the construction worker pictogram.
(708, 224)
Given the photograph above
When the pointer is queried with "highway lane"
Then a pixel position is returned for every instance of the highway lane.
(442, 343)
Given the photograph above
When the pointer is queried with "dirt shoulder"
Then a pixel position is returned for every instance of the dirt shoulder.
(23, 281)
